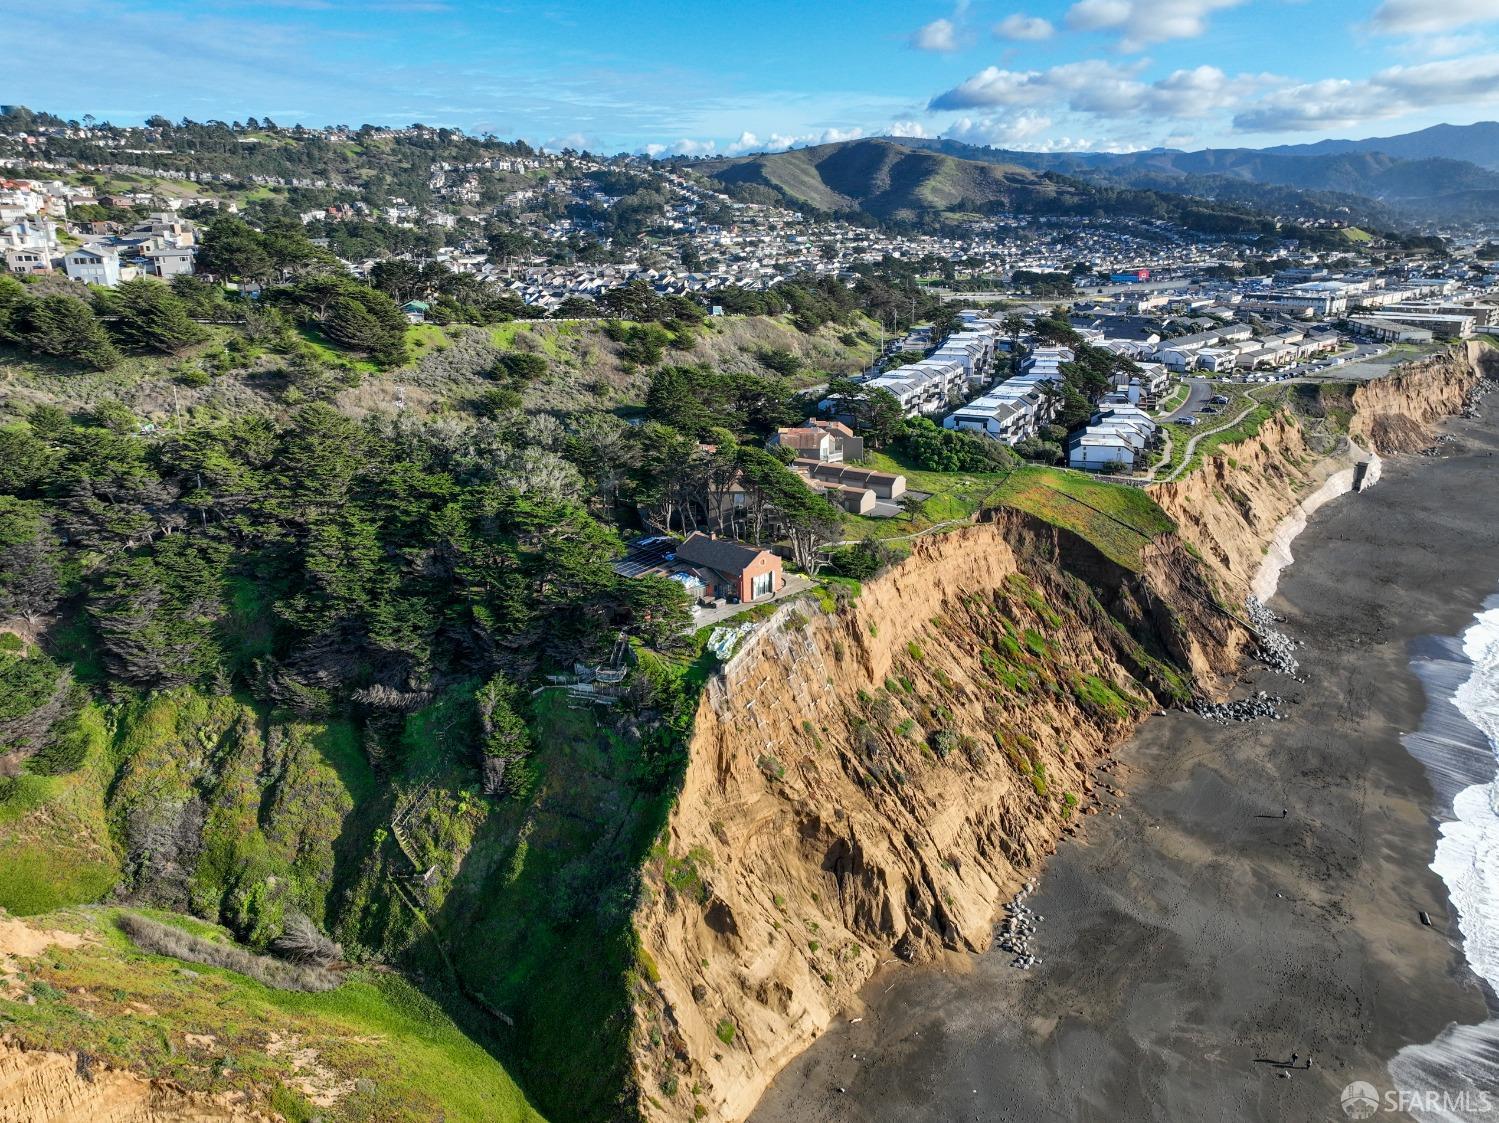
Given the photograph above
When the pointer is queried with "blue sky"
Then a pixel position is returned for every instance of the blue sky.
(740, 75)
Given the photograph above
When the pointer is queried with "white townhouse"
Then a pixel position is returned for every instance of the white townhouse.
(925, 386)
(93, 265)
(1009, 412)
(1115, 437)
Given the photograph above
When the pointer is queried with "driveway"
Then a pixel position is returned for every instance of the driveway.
(1197, 396)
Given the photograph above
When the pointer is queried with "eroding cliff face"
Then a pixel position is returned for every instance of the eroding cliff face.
(875, 781)
(1229, 508)
(1395, 414)
(41, 1087)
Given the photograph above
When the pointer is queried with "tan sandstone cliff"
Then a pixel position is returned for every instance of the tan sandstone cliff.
(1230, 507)
(876, 782)
(42, 1087)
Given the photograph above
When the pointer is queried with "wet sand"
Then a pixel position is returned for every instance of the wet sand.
(1196, 933)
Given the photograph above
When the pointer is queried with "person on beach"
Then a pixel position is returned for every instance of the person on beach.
(1284, 812)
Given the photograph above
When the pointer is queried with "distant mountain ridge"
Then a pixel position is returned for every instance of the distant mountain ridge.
(1419, 176)
(1478, 143)
(893, 180)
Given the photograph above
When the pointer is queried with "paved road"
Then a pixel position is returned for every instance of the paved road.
(1197, 397)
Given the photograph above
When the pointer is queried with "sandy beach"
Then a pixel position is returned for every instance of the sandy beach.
(1190, 933)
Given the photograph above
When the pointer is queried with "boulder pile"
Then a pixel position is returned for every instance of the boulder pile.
(1436, 449)
(1277, 650)
(1017, 928)
(1481, 388)
(1253, 708)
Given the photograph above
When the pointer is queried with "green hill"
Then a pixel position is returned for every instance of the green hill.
(904, 181)
(892, 181)
(371, 1050)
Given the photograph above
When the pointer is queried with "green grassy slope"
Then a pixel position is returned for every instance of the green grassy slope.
(526, 916)
(1121, 521)
(211, 806)
(379, 1051)
(55, 845)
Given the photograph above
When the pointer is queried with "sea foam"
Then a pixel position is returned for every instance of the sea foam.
(1467, 857)
(1463, 758)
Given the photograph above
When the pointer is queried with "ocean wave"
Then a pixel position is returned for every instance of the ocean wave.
(1459, 744)
(1467, 857)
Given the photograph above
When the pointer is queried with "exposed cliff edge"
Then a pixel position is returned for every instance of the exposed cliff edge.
(876, 781)
(1395, 414)
(44, 1086)
(41, 1087)
(1231, 508)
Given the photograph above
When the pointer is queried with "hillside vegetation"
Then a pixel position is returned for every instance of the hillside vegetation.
(888, 180)
(373, 1049)
(1120, 521)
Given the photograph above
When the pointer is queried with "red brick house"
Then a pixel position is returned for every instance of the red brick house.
(731, 569)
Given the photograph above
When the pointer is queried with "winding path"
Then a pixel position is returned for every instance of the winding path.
(1191, 448)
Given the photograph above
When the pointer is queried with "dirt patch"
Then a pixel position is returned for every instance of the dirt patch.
(315, 1080)
(18, 941)
(37, 1086)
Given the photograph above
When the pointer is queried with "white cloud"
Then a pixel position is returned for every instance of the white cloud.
(747, 142)
(1029, 29)
(689, 147)
(1143, 22)
(1098, 15)
(1427, 17)
(907, 128)
(779, 142)
(578, 141)
(939, 35)
(999, 132)
(1342, 103)
(1440, 46)
(1104, 89)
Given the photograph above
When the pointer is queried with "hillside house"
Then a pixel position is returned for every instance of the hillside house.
(169, 261)
(884, 485)
(830, 442)
(730, 569)
(24, 261)
(93, 265)
(1116, 438)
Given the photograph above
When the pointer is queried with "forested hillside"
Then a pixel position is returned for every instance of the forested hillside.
(282, 580)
